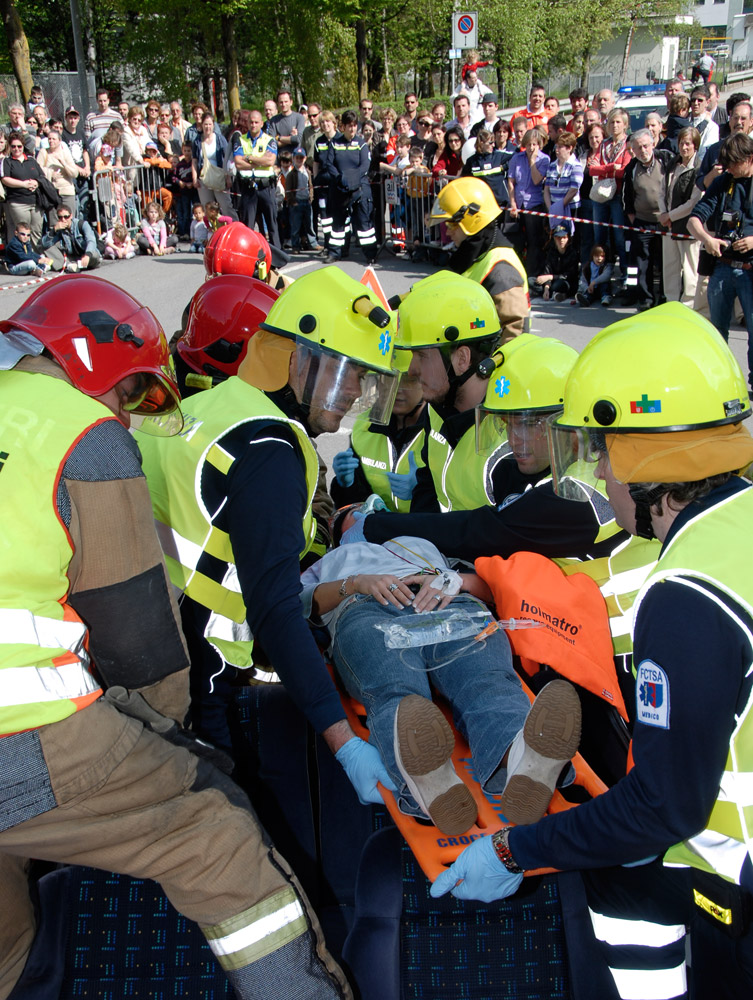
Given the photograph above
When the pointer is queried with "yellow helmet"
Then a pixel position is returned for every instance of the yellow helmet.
(469, 202)
(446, 309)
(528, 373)
(527, 377)
(661, 393)
(666, 369)
(330, 314)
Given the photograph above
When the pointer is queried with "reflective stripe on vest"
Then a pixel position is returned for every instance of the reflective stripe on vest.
(708, 548)
(174, 468)
(481, 269)
(256, 147)
(44, 664)
(378, 457)
(462, 478)
(620, 576)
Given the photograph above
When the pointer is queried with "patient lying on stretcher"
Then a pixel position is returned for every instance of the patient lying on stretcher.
(358, 591)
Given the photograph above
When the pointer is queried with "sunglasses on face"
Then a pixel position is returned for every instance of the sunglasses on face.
(63, 217)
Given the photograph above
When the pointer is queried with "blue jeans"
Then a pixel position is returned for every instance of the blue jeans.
(184, 212)
(724, 284)
(300, 222)
(611, 211)
(23, 267)
(488, 703)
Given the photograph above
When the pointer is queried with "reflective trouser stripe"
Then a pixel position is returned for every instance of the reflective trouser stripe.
(631, 277)
(650, 984)
(647, 946)
(337, 238)
(34, 685)
(620, 931)
(257, 931)
(366, 236)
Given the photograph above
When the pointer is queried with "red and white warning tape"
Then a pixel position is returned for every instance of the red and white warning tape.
(610, 225)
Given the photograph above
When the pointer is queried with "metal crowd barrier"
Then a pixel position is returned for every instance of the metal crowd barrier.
(121, 194)
(402, 206)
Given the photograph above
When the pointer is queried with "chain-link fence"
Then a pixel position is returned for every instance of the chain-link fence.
(61, 90)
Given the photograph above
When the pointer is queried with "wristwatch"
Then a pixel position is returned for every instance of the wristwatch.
(503, 852)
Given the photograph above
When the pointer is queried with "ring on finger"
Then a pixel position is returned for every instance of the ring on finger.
(437, 597)
(392, 587)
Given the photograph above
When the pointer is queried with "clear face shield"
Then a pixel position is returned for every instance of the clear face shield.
(328, 385)
(525, 432)
(575, 455)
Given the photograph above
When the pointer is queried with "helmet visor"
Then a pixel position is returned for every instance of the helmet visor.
(328, 385)
(154, 404)
(525, 432)
(574, 455)
(439, 214)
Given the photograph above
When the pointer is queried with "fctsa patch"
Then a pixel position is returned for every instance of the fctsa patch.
(652, 695)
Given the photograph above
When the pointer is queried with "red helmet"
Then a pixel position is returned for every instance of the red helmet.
(236, 249)
(100, 334)
(225, 314)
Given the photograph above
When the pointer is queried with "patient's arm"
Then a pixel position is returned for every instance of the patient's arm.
(385, 587)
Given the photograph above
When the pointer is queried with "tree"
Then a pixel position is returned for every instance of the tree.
(18, 46)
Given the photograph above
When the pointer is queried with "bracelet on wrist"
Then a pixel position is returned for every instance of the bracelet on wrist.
(503, 852)
(343, 592)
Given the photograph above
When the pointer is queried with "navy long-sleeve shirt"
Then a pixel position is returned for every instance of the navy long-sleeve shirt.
(689, 630)
(266, 501)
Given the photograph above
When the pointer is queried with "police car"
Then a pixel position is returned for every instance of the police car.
(639, 101)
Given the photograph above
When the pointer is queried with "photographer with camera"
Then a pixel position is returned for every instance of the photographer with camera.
(723, 222)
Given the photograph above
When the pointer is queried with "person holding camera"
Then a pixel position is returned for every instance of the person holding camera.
(723, 222)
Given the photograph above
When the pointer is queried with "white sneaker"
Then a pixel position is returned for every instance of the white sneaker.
(71, 268)
(541, 749)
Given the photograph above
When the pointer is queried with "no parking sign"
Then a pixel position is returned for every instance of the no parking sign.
(465, 30)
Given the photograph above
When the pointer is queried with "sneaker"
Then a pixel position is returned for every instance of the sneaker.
(541, 749)
(71, 268)
(582, 299)
(559, 296)
(423, 751)
(606, 300)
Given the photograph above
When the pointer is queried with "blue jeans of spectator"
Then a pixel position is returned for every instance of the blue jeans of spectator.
(23, 267)
(724, 284)
(611, 211)
(184, 212)
(488, 703)
(300, 223)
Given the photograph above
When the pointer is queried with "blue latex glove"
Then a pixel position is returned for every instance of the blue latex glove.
(355, 531)
(344, 465)
(483, 875)
(403, 484)
(364, 767)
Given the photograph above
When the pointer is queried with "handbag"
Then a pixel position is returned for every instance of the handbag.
(603, 189)
(212, 176)
(46, 195)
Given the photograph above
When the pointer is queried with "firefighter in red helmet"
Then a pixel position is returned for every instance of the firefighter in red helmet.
(93, 665)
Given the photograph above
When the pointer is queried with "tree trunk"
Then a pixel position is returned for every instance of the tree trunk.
(361, 58)
(626, 54)
(230, 50)
(219, 96)
(585, 68)
(18, 47)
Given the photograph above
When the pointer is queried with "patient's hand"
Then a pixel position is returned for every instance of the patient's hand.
(385, 587)
(426, 598)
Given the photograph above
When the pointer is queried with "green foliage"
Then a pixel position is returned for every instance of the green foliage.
(170, 48)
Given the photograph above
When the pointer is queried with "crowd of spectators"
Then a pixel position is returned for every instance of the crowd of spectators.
(575, 186)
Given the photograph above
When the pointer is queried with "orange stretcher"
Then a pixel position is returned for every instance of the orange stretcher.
(434, 850)
(534, 585)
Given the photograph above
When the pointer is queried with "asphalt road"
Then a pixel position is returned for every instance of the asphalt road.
(166, 285)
